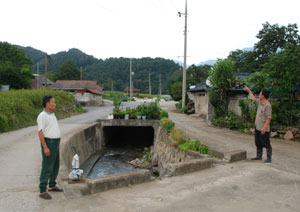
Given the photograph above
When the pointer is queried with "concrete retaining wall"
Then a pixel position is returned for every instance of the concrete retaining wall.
(89, 141)
(171, 161)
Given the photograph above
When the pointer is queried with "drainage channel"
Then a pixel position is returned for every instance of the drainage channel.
(112, 161)
(121, 145)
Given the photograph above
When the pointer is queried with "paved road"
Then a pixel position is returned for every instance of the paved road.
(20, 160)
(243, 186)
(91, 116)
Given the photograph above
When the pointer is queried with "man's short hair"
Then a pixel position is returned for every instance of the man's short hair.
(46, 99)
(266, 93)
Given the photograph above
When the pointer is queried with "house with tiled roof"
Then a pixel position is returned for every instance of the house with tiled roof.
(87, 92)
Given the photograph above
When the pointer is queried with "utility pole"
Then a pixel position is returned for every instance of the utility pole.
(38, 75)
(149, 84)
(130, 74)
(159, 85)
(46, 70)
(184, 63)
(80, 72)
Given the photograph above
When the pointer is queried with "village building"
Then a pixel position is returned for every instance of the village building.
(40, 81)
(135, 91)
(200, 95)
(87, 92)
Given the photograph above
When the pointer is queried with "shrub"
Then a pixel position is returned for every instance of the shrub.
(203, 149)
(178, 105)
(248, 109)
(190, 145)
(194, 145)
(152, 110)
(167, 124)
(20, 108)
(185, 109)
(233, 121)
(177, 137)
(163, 114)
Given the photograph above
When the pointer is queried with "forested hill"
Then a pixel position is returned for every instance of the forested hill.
(111, 73)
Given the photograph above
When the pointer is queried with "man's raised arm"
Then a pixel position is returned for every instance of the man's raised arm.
(250, 92)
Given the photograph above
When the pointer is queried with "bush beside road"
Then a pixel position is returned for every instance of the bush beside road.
(20, 108)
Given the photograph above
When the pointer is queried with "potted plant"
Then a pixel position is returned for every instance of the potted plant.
(132, 114)
(121, 115)
(127, 113)
(138, 115)
(116, 115)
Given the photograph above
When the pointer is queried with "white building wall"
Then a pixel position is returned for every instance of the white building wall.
(200, 100)
(89, 99)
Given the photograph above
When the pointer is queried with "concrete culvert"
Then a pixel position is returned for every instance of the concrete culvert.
(120, 136)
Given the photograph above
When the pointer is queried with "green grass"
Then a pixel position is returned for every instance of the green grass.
(20, 108)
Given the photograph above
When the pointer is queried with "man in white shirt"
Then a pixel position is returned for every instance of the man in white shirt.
(49, 135)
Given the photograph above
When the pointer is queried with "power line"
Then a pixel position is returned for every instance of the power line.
(173, 5)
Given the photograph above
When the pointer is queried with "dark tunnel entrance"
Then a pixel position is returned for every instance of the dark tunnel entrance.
(122, 144)
(120, 136)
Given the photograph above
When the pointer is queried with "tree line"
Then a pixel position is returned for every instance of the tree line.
(111, 73)
(273, 64)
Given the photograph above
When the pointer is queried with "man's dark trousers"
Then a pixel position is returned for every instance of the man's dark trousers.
(263, 141)
(50, 165)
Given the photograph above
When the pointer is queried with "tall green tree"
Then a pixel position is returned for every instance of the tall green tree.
(15, 68)
(283, 71)
(197, 74)
(244, 61)
(175, 85)
(68, 71)
(273, 39)
(222, 79)
(175, 90)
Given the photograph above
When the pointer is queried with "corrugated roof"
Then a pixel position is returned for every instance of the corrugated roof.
(200, 87)
(203, 86)
(36, 85)
(41, 79)
(87, 85)
(134, 90)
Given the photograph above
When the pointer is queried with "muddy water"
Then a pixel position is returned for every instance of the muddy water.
(111, 161)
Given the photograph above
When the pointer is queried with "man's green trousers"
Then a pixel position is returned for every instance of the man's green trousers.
(50, 165)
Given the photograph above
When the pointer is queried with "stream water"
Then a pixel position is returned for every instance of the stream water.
(111, 161)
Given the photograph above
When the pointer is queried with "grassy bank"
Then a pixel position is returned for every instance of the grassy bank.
(20, 108)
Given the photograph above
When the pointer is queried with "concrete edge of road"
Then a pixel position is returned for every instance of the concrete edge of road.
(229, 156)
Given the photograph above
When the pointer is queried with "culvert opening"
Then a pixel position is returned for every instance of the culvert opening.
(119, 136)
(122, 145)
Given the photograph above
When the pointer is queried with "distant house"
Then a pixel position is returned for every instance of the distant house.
(87, 92)
(134, 90)
(40, 81)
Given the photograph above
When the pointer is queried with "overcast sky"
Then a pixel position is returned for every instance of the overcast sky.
(141, 28)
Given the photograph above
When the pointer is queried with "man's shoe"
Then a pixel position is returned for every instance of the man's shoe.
(268, 161)
(45, 195)
(256, 158)
(56, 189)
